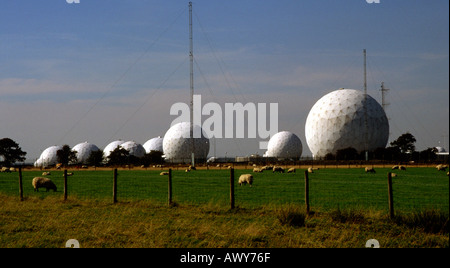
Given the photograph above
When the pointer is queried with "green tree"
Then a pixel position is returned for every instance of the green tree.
(95, 158)
(405, 143)
(66, 155)
(118, 157)
(10, 152)
(347, 154)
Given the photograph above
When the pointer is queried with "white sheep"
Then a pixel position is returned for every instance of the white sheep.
(5, 169)
(40, 182)
(393, 175)
(246, 178)
(441, 167)
(310, 170)
(164, 173)
(267, 168)
(278, 169)
(257, 170)
(291, 170)
(395, 167)
(370, 169)
(46, 173)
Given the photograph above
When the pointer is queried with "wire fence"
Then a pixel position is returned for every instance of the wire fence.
(324, 189)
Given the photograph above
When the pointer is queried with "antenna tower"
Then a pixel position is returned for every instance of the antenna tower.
(191, 67)
(366, 126)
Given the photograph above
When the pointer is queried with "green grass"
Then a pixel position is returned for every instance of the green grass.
(50, 222)
(348, 208)
(414, 189)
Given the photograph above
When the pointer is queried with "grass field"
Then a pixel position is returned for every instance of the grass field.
(330, 188)
(349, 208)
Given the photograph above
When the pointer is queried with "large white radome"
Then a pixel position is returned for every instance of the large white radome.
(84, 150)
(177, 143)
(284, 144)
(337, 121)
(111, 147)
(133, 148)
(48, 157)
(155, 144)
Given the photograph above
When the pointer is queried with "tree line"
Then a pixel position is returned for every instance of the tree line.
(401, 149)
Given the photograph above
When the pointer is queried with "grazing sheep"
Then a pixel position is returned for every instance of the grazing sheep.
(394, 167)
(267, 168)
(369, 169)
(402, 167)
(191, 168)
(46, 173)
(441, 167)
(257, 170)
(278, 169)
(246, 178)
(187, 170)
(393, 175)
(310, 170)
(40, 182)
(164, 173)
(291, 170)
(5, 169)
(68, 174)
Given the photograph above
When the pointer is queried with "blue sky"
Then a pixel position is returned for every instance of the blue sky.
(104, 70)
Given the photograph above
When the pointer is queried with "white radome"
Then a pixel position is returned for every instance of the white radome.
(84, 150)
(177, 145)
(48, 157)
(134, 149)
(111, 147)
(155, 144)
(337, 121)
(284, 144)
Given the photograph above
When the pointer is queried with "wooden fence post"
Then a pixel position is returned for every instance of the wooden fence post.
(391, 196)
(232, 188)
(20, 184)
(115, 186)
(307, 192)
(169, 192)
(65, 184)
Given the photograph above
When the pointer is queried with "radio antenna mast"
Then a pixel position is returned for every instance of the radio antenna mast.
(191, 58)
(366, 126)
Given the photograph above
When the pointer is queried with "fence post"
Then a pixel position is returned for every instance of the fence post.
(20, 184)
(115, 186)
(65, 184)
(232, 188)
(169, 192)
(391, 196)
(307, 192)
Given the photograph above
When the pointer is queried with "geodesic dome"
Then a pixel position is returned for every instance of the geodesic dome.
(84, 150)
(155, 144)
(111, 147)
(284, 144)
(338, 121)
(134, 149)
(48, 157)
(177, 143)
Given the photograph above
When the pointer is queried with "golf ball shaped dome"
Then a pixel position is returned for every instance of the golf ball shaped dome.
(48, 157)
(155, 144)
(177, 143)
(111, 147)
(284, 144)
(84, 150)
(134, 149)
(346, 118)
